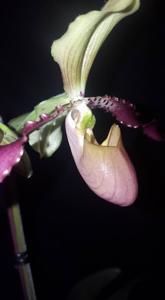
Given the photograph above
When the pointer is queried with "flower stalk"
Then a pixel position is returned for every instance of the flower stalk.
(19, 243)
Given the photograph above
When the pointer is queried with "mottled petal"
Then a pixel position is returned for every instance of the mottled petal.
(76, 50)
(106, 168)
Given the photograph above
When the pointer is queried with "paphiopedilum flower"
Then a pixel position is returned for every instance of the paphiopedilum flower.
(106, 168)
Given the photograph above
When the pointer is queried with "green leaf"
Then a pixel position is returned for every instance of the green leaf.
(7, 135)
(76, 50)
(47, 106)
(44, 107)
(48, 138)
(1, 135)
(18, 123)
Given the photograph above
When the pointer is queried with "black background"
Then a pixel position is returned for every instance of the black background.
(70, 232)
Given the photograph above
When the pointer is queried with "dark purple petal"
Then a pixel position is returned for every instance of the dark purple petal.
(151, 130)
(126, 114)
(10, 155)
(122, 110)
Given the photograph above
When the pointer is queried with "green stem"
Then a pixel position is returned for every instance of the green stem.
(19, 243)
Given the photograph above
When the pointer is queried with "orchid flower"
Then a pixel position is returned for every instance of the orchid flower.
(106, 168)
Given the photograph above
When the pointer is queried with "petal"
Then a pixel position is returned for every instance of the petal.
(125, 113)
(151, 130)
(106, 168)
(24, 167)
(10, 155)
(76, 50)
